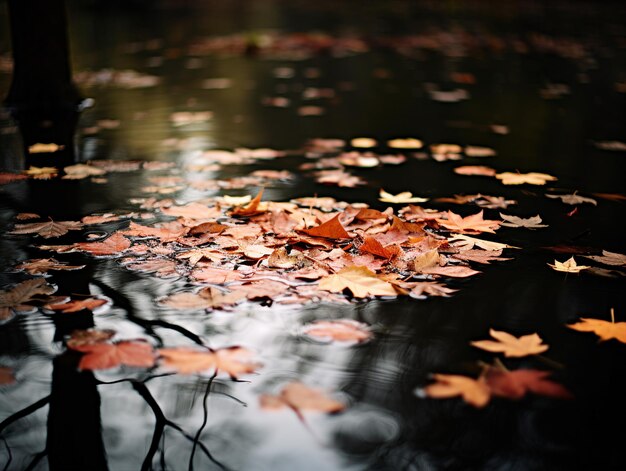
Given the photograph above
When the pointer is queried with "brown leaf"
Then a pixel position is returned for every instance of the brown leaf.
(47, 229)
(251, 208)
(192, 211)
(515, 384)
(480, 170)
(233, 361)
(339, 330)
(512, 346)
(568, 266)
(160, 267)
(7, 376)
(207, 298)
(300, 397)
(80, 338)
(421, 289)
(361, 281)
(114, 245)
(473, 224)
(38, 266)
(473, 391)
(77, 305)
(529, 223)
(25, 216)
(533, 178)
(451, 271)
(480, 256)
(102, 356)
(609, 258)
(166, 232)
(20, 297)
(7, 177)
(216, 275)
(331, 229)
(574, 199)
(42, 173)
(371, 245)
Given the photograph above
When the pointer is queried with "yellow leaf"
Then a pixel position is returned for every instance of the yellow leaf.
(533, 178)
(568, 266)
(474, 392)
(361, 281)
(404, 197)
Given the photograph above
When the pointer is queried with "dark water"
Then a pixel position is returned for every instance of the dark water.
(546, 89)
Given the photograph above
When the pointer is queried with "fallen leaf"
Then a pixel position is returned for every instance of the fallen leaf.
(77, 305)
(473, 391)
(480, 256)
(512, 346)
(363, 142)
(479, 151)
(7, 177)
(114, 245)
(515, 384)
(339, 330)
(361, 281)
(451, 271)
(331, 229)
(166, 232)
(47, 229)
(608, 258)
(493, 202)
(405, 143)
(80, 171)
(607, 196)
(42, 173)
(41, 148)
(339, 178)
(300, 397)
(102, 356)
(371, 245)
(20, 297)
(573, 199)
(207, 298)
(426, 260)
(533, 178)
(479, 170)
(192, 211)
(529, 223)
(568, 266)
(404, 197)
(233, 361)
(472, 224)
(251, 208)
(467, 243)
(160, 267)
(39, 266)
(423, 289)
(604, 329)
(80, 338)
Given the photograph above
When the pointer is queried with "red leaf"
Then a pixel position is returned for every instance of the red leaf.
(331, 229)
(102, 356)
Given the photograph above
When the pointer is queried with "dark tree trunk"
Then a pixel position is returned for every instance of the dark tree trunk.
(42, 97)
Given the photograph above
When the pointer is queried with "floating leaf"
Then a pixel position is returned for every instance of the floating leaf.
(401, 198)
(604, 329)
(47, 229)
(533, 178)
(529, 223)
(516, 384)
(300, 397)
(339, 330)
(20, 297)
(102, 356)
(39, 266)
(76, 305)
(608, 258)
(361, 281)
(472, 224)
(473, 391)
(573, 199)
(331, 229)
(568, 266)
(510, 345)
(233, 361)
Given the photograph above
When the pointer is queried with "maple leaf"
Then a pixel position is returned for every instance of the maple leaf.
(42, 173)
(38, 266)
(47, 229)
(423, 289)
(79, 338)
(453, 271)
(479, 170)
(371, 245)
(339, 330)
(7, 376)
(251, 208)
(472, 224)
(18, 298)
(573, 199)
(167, 232)
(207, 298)
(467, 243)
(298, 397)
(493, 202)
(604, 329)
(233, 361)
(363, 142)
(80, 171)
(25, 216)
(160, 267)
(279, 258)
(194, 256)
(533, 178)
(529, 223)
(480, 256)
(403, 197)
(115, 244)
(515, 384)
(331, 229)
(510, 345)
(608, 258)
(568, 266)
(473, 391)
(77, 305)
(41, 148)
(361, 281)
(216, 275)
(405, 143)
(192, 211)
(102, 356)
(339, 178)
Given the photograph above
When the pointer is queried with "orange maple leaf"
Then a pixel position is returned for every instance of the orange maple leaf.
(473, 391)
(233, 360)
(331, 229)
(251, 208)
(76, 305)
(515, 384)
(510, 345)
(361, 281)
(115, 244)
(339, 330)
(299, 397)
(102, 356)
(472, 224)
(604, 329)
